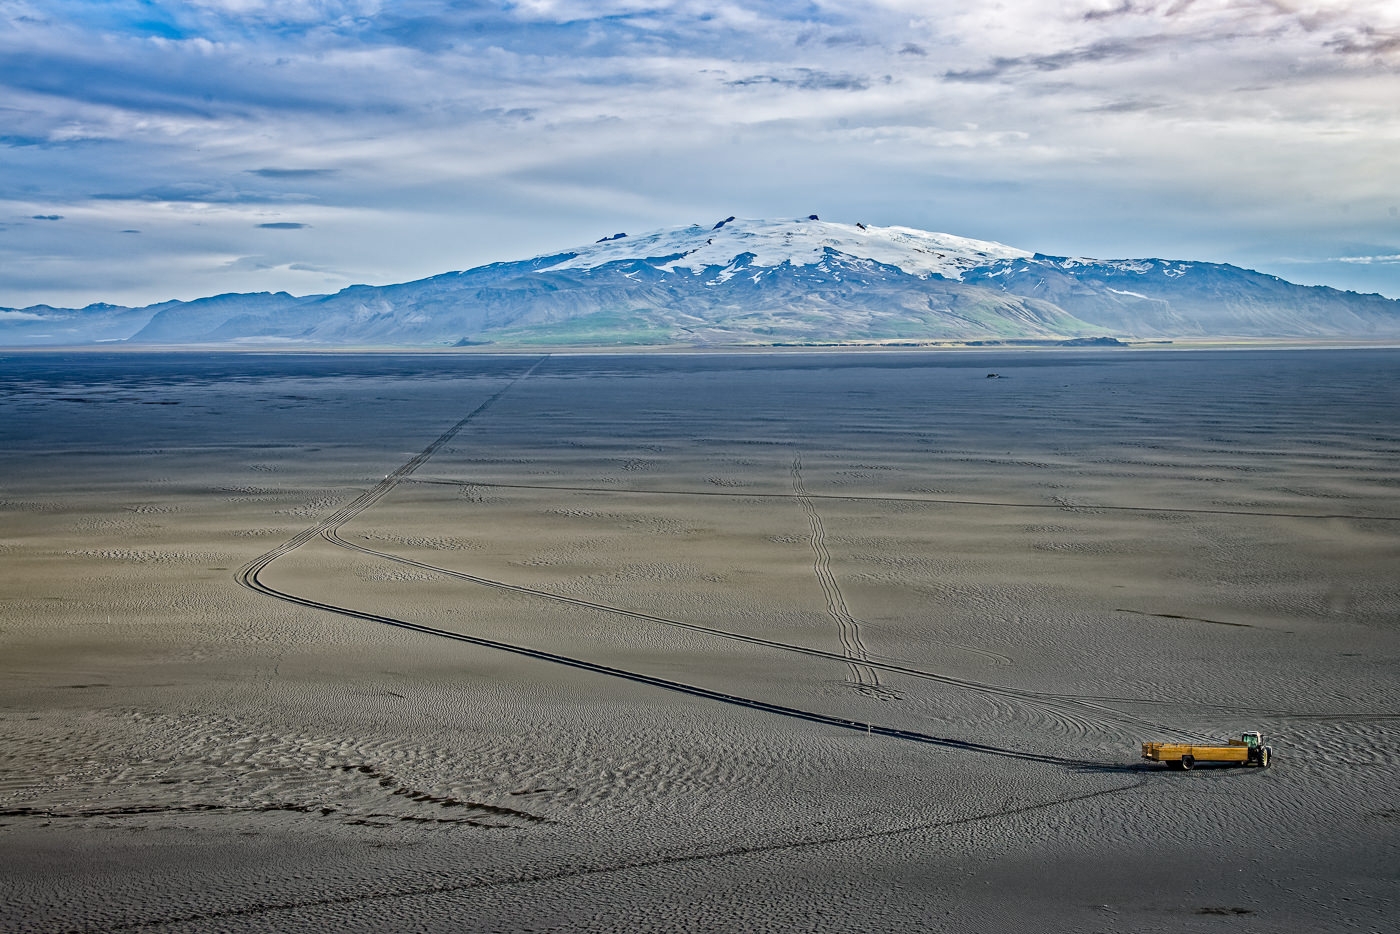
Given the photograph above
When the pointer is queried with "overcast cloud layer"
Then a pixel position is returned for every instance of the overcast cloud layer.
(154, 150)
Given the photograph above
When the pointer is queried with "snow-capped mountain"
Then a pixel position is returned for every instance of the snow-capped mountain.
(753, 282)
(770, 243)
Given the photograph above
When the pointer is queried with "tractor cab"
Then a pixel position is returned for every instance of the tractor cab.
(1252, 740)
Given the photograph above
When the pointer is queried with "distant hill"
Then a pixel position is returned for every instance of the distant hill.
(738, 282)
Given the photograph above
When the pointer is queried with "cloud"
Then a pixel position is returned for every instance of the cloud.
(15, 140)
(1131, 105)
(1103, 51)
(1126, 8)
(283, 225)
(1260, 34)
(1368, 41)
(262, 264)
(292, 173)
(423, 136)
(46, 217)
(222, 192)
(838, 39)
(249, 263)
(180, 191)
(1385, 258)
(805, 79)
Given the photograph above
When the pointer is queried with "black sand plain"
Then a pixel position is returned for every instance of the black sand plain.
(751, 642)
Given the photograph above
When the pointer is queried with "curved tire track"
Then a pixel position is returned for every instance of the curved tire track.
(681, 687)
(249, 576)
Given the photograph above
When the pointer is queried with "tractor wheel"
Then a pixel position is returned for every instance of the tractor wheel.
(1264, 758)
(1188, 763)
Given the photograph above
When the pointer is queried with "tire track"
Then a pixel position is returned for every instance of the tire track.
(865, 678)
(533, 878)
(693, 690)
(249, 576)
(932, 500)
(1092, 701)
(1060, 707)
(1344, 716)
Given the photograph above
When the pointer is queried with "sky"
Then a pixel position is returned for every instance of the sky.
(153, 150)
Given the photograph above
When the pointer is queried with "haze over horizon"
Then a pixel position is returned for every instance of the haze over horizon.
(154, 150)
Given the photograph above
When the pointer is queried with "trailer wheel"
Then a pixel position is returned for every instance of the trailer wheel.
(1188, 762)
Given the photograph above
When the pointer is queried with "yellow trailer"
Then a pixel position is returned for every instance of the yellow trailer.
(1249, 749)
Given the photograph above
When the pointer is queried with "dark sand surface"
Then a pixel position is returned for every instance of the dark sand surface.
(826, 642)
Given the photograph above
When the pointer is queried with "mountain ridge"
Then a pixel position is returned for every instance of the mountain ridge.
(756, 282)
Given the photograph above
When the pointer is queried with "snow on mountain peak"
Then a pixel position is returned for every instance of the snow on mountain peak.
(799, 242)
